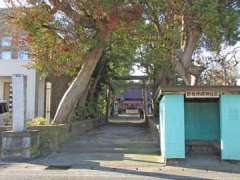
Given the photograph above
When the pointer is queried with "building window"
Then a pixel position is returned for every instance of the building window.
(6, 41)
(23, 55)
(23, 40)
(6, 55)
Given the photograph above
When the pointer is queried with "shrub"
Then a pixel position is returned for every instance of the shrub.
(8, 119)
(37, 121)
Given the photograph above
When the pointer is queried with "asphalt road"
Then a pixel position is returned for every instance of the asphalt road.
(115, 174)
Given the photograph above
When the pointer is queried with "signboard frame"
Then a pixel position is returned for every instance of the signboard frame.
(202, 94)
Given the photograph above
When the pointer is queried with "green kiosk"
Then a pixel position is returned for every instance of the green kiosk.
(201, 116)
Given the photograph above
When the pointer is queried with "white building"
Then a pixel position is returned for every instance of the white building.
(35, 86)
(14, 59)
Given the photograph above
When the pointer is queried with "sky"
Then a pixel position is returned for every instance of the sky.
(2, 4)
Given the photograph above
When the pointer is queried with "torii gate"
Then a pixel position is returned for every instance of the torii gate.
(144, 79)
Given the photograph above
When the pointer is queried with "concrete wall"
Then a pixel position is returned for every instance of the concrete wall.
(230, 127)
(202, 121)
(172, 126)
(35, 97)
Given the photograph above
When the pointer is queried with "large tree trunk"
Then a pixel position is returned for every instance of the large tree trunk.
(161, 78)
(91, 88)
(184, 64)
(83, 99)
(78, 86)
(59, 87)
(98, 74)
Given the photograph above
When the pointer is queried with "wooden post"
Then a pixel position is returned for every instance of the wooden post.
(145, 99)
(109, 97)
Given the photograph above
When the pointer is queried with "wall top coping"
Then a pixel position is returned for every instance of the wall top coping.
(205, 91)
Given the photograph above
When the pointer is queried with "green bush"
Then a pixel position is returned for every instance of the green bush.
(89, 111)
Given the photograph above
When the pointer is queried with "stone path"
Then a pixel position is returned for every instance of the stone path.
(113, 145)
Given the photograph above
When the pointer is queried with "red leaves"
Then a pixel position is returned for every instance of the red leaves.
(113, 21)
(132, 16)
(99, 12)
(137, 11)
(15, 39)
(29, 37)
(116, 16)
(19, 39)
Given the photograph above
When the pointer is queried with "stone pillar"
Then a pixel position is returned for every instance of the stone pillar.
(19, 144)
(48, 95)
(19, 87)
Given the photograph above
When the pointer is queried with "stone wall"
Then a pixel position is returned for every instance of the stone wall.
(20, 146)
(52, 136)
(3, 128)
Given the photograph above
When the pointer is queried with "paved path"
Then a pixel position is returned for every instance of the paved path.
(115, 151)
(113, 145)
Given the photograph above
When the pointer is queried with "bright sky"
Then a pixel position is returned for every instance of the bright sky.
(2, 4)
(137, 71)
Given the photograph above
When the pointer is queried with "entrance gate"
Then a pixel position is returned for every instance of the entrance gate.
(143, 79)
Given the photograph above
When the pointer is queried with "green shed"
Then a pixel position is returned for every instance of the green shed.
(195, 117)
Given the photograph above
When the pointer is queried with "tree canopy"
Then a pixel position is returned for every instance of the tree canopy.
(92, 40)
(175, 30)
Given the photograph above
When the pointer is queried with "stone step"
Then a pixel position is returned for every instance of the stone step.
(113, 150)
(211, 147)
(201, 149)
